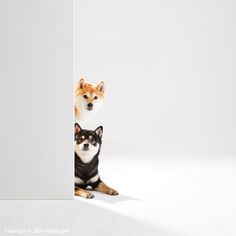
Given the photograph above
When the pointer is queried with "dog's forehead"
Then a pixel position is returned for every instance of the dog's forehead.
(88, 89)
(86, 133)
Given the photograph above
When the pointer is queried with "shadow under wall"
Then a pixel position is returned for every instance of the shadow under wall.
(74, 216)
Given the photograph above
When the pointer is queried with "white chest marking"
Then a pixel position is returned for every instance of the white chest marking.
(78, 180)
(86, 156)
(93, 179)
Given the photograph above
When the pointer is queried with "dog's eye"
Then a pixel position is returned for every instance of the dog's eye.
(85, 96)
(80, 139)
(96, 97)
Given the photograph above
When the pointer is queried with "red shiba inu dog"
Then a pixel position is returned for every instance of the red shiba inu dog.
(88, 100)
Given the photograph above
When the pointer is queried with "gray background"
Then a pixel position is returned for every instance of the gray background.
(36, 74)
(169, 70)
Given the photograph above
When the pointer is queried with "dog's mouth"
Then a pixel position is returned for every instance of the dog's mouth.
(89, 108)
(85, 149)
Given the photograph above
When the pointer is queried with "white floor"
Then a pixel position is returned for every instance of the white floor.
(158, 196)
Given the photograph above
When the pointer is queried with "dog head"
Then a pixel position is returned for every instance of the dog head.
(87, 142)
(89, 98)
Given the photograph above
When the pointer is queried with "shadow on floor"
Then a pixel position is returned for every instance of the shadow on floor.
(113, 199)
(74, 216)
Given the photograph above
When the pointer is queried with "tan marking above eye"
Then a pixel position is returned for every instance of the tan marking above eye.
(90, 137)
(83, 137)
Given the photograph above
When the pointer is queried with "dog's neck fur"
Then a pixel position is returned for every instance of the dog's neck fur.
(82, 116)
(80, 161)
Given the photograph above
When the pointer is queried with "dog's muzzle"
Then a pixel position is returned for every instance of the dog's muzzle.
(90, 106)
(86, 147)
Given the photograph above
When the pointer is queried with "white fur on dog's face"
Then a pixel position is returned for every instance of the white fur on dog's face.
(86, 114)
(83, 104)
(86, 155)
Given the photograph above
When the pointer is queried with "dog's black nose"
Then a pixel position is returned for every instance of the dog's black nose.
(86, 145)
(90, 105)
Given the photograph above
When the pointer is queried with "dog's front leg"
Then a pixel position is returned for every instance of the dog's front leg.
(83, 193)
(105, 189)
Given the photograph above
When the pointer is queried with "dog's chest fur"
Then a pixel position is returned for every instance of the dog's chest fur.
(83, 116)
(86, 174)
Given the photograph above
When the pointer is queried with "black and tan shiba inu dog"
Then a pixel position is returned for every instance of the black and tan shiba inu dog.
(87, 148)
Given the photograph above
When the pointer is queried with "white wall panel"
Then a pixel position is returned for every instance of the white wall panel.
(36, 79)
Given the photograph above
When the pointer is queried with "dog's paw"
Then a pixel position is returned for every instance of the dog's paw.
(89, 195)
(83, 193)
(115, 192)
(112, 192)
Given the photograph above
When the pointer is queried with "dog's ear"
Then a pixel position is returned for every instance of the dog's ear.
(99, 131)
(81, 83)
(77, 128)
(101, 87)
